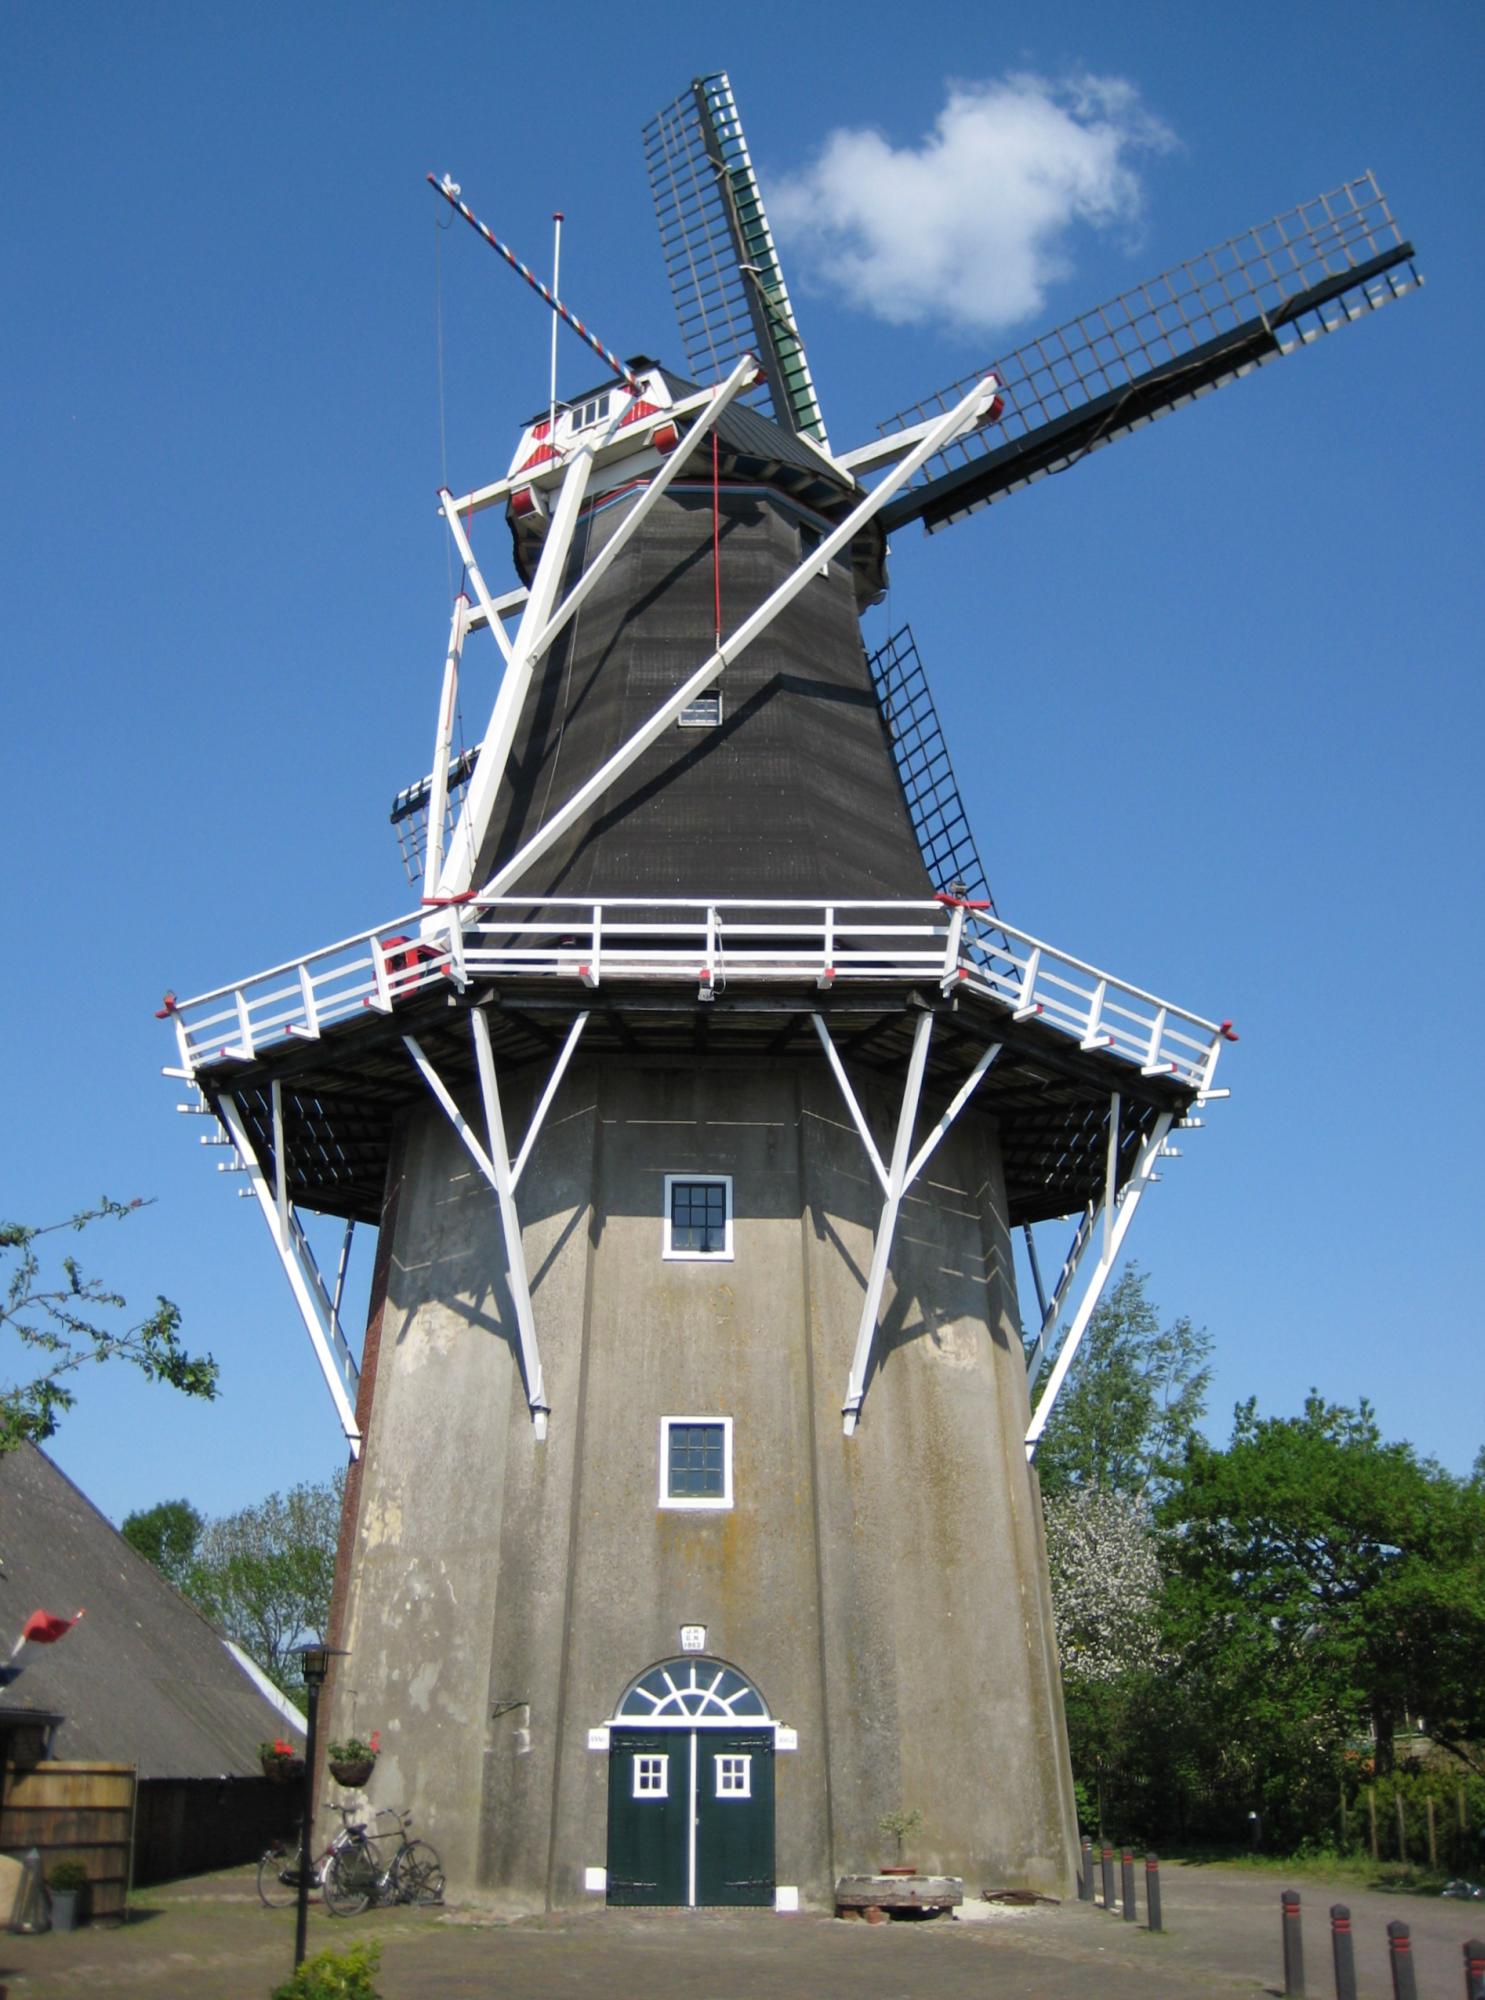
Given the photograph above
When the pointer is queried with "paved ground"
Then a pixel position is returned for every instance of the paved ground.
(210, 1939)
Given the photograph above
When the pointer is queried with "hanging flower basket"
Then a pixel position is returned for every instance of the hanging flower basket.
(352, 1762)
(282, 1763)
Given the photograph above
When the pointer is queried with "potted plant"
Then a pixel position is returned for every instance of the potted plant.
(281, 1762)
(67, 1882)
(352, 1762)
(900, 1824)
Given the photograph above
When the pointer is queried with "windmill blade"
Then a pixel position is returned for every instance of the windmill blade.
(729, 291)
(1205, 322)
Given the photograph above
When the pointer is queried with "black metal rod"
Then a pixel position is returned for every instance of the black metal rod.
(1152, 1892)
(1474, 1969)
(1294, 1950)
(1085, 1872)
(306, 1826)
(1106, 1861)
(1343, 1951)
(1400, 1957)
(1126, 1887)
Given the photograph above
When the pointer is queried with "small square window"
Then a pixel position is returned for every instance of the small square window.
(696, 1461)
(703, 713)
(734, 1777)
(652, 1777)
(698, 1216)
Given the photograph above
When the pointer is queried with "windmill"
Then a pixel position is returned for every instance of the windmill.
(690, 1532)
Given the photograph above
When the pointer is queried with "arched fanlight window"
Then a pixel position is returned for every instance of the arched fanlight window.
(691, 1690)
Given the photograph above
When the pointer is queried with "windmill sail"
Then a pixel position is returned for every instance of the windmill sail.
(724, 273)
(1203, 323)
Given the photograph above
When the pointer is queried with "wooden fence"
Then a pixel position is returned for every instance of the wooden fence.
(83, 1811)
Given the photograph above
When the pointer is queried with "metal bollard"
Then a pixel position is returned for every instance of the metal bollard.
(1474, 1969)
(1294, 1950)
(1126, 1887)
(1343, 1950)
(1106, 1862)
(1400, 1955)
(1152, 1891)
(1085, 1872)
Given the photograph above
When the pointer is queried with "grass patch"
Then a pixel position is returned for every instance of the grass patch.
(1397, 1877)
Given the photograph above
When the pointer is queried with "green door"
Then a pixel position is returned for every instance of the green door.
(649, 1813)
(734, 1816)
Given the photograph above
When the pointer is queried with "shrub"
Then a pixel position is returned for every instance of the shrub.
(335, 1975)
(71, 1874)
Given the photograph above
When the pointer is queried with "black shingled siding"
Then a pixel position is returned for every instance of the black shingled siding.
(795, 795)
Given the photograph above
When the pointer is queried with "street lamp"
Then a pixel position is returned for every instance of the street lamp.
(314, 1663)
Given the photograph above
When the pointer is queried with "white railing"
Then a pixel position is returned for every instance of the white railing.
(634, 940)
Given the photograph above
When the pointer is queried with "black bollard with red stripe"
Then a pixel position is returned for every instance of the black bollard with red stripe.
(1343, 1950)
(1474, 1969)
(1126, 1887)
(1106, 1862)
(1085, 1872)
(1400, 1956)
(1152, 1891)
(1294, 1950)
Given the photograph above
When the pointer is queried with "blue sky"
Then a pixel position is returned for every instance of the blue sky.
(1214, 699)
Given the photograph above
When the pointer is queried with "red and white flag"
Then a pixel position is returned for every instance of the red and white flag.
(44, 1628)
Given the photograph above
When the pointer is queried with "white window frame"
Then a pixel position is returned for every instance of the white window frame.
(741, 1757)
(642, 1758)
(712, 702)
(712, 1502)
(722, 1256)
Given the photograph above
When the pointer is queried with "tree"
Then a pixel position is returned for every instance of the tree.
(167, 1536)
(1132, 1398)
(1336, 1579)
(264, 1576)
(67, 1322)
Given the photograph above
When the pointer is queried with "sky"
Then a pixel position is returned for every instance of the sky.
(1214, 699)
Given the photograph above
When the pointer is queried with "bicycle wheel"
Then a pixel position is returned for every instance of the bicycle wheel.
(349, 1881)
(417, 1874)
(278, 1876)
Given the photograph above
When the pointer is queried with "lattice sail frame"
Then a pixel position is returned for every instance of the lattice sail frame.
(921, 755)
(724, 272)
(1242, 303)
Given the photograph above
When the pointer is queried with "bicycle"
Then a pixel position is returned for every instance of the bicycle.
(278, 1870)
(351, 1878)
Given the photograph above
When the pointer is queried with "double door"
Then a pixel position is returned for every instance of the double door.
(690, 1816)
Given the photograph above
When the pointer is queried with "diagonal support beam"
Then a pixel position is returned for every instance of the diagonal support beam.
(961, 418)
(1072, 1263)
(903, 1170)
(494, 1162)
(1113, 1241)
(319, 1312)
(858, 1117)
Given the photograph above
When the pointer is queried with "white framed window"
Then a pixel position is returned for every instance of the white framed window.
(734, 1777)
(703, 713)
(652, 1777)
(698, 1217)
(696, 1461)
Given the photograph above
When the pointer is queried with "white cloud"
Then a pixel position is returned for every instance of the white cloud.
(972, 226)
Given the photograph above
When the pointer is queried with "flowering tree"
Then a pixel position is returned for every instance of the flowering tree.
(1105, 1572)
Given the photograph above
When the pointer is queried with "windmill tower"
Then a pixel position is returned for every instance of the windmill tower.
(690, 1529)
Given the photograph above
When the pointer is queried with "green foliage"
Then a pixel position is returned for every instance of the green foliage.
(1132, 1399)
(166, 1535)
(263, 1576)
(69, 1873)
(65, 1324)
(335, 1975)
(901, 1825)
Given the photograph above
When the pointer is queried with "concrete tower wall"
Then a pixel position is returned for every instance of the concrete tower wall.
(885, 1592)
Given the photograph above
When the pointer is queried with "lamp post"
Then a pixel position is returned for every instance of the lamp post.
(314, 1664)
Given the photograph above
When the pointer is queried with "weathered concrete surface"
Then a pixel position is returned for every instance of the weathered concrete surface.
(211, 1936)
(886, 1593)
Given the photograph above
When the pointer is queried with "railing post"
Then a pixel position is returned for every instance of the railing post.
(1294, 1950)
(1106, 1860)
(1085, 1872)
(1152, 1892)
(1400, 1956)
(1474, 1969)
(1126, 1887)
(1343, 1951)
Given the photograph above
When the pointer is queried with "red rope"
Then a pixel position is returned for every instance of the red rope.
(716, 544)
